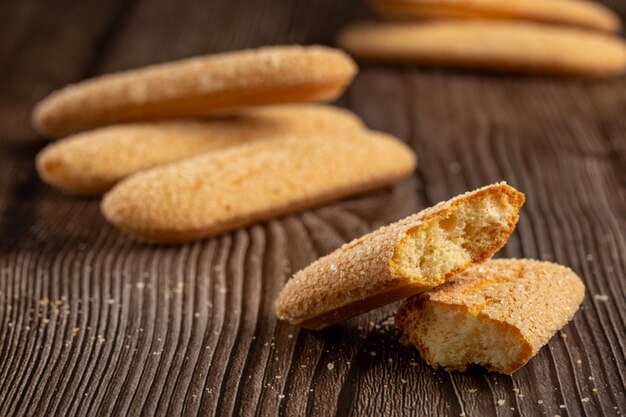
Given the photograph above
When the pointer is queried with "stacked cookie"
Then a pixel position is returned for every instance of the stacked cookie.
(459, 308)
(558, 37)
(189, 149)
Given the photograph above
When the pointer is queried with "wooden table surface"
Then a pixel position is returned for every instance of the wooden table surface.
(94, 323)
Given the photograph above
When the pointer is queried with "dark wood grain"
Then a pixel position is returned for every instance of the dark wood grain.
(93, 323)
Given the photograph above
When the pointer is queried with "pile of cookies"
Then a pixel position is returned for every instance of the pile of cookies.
(557, 37)
(188, 149)
(459, 308)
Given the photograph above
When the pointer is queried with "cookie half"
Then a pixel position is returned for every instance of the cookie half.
(92, 162)
(497, 315)
(223, 190)
(585, 14)
(198, 86)
(495, 46)
(402, 259)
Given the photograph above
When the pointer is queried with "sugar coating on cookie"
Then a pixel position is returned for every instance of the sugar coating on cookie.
(223, 190)
(92, 162)
(401, 259)
(198, 86)
(497, 314)
(496, 46)
(586, 14)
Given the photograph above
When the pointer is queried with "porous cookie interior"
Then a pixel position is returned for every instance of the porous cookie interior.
(451, 338)
(443, 245)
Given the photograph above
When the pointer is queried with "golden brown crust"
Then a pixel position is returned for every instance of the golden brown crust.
(357, 307)
(219, 191)
(198, 86)
(92, 162)
(585, 14)
(495, 46)
(528, 300)
(364, 274)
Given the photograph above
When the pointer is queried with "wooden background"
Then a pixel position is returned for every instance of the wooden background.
(94, 323)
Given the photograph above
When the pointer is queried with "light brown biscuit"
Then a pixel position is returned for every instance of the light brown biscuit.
(497, 315)
(496, 46)
(585, 14)
(92, 162)
(198, 86)
(401, 259)
(223, 190)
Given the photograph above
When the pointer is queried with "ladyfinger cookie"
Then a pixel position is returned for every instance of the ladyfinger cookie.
(92, 162)
(495, 46)
(496, 315)
(402, 259)
(581, 13)
(198, 86)
(223, 190)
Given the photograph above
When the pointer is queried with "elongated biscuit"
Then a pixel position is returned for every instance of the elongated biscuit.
(496, 46)
(402, 259)
(198, 86)
(498, 314)
(585, 14)
(219, 191)
(92, 162)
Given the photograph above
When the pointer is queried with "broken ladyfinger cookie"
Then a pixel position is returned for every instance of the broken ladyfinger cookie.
(496, 315)
(402, 259)
(198, 86)
(91, 162)
(219, 191)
